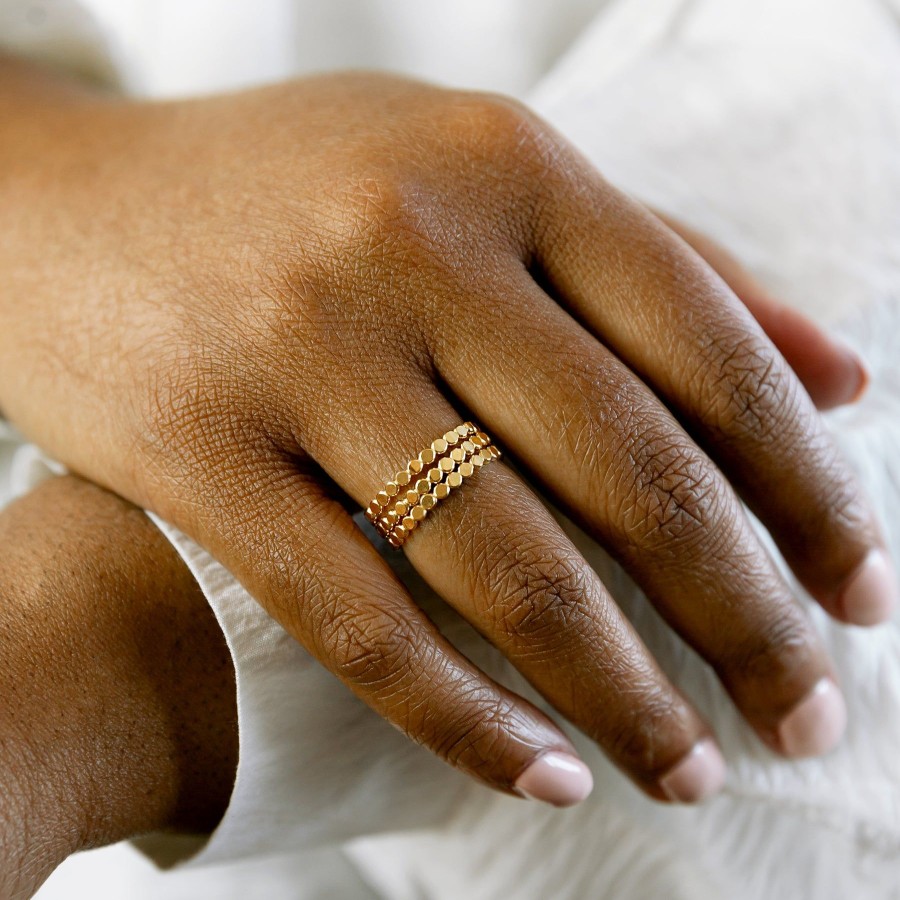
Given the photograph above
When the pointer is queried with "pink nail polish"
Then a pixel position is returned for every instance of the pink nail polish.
(870, 595)
(858, 377)
(559, 779)
(816, 723)
(696, 776)
(865, 379)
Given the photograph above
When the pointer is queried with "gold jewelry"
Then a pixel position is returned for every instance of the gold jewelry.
(440, 468)
(416, 466)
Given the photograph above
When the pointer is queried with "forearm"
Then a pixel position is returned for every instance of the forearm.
(118, 714)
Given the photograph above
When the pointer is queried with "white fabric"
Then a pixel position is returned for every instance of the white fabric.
(174, 47)
(773, 125)
(58, 33)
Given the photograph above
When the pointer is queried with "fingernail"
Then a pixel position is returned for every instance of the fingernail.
(870, 595)
(864, 380)
(858, 377)
(559, 779)
(816, 723)
(697, 776)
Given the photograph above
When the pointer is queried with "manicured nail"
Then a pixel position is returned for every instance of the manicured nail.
(556, 778)
(816, 723)
(870, 595)
(864, 377)
(697, 776)
(858, 377)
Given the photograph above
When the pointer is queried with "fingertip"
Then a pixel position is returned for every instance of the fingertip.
(816, 724)
(870, 595)
(851, 382)
(697, 776)
(864, 378)
(557, 778)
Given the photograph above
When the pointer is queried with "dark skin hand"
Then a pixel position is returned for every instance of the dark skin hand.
(222, 308)
(118, 714)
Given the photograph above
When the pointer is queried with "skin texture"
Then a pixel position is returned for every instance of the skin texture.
(240, 310)
(118, 713)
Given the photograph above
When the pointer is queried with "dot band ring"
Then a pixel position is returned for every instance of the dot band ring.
(405, 515)
(428, 478)
(441, 467)
(416, 466)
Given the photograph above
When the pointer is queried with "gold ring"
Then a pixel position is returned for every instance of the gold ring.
(398, 508)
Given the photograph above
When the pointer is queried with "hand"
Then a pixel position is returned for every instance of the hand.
(223, 308)
(118, 713)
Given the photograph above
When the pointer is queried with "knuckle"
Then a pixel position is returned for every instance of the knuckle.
(640, 742)
(748, 389)
(506, 139)
(676, 496)
(392, 245)
(372, 649)
(774, 652)
(661, 492)
(493, 119)
(837, 508)
(476, 738)
(542, 598)
(382, 215)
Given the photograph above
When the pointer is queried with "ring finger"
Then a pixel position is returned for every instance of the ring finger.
(493, 551)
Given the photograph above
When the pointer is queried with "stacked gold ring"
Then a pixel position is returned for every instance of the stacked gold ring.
(428, 478)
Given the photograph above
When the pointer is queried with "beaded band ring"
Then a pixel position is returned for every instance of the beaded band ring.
(403, 502)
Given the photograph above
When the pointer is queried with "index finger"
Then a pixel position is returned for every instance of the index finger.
(830, 370)
(664, 311)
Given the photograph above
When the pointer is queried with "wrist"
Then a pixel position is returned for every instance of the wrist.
(35, 836)
(51, 126)
(118, 716)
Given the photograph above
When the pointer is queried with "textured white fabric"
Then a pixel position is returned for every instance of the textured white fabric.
(173, 47)
(772, 125)
(59, 33)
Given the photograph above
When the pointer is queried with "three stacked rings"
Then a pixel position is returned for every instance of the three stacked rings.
(428, 478)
